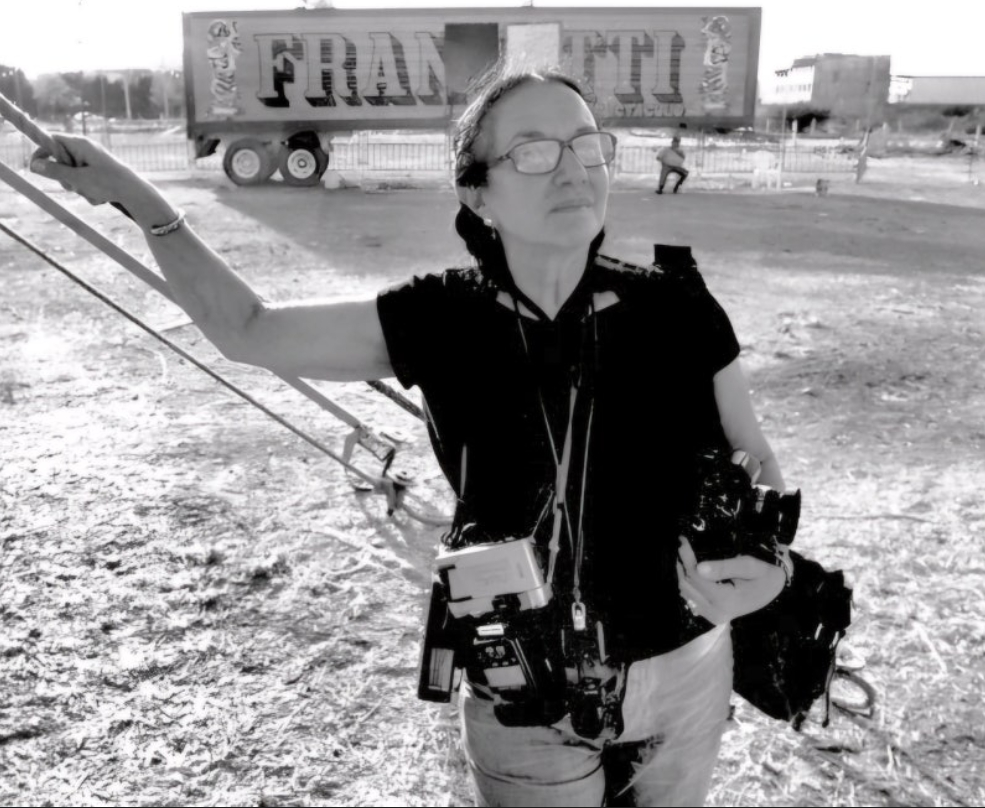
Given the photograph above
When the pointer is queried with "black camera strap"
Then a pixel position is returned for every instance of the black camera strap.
(562, 463)
(561, 513)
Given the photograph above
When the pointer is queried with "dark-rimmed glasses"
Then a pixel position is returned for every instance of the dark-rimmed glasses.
(543, 155)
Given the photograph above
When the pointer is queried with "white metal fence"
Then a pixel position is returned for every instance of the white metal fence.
(718, 159)
(144, 151)
(169, 151)
(435, 156)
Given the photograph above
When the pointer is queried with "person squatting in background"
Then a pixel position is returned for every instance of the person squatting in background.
(529, 361)
(671, 159)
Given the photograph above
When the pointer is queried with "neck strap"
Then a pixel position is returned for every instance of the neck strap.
(562, 463)
(503, 279)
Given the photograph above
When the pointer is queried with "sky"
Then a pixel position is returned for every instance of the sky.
(942, 38)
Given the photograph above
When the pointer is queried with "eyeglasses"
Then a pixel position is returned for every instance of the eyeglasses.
(542, 156)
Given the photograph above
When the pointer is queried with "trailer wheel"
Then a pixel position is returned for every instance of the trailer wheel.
(248, 162)
(303, 165)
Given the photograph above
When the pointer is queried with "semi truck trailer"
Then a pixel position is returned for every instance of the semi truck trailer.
(274, 88)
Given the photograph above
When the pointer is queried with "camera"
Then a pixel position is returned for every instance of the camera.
(596, 689)
(517, 660)
(440, 649)
(587, 706)
(493, 614)
(491, 577)
(730, 515)
(490, 613)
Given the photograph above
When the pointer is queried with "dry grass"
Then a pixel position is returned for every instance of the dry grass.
(198, 611)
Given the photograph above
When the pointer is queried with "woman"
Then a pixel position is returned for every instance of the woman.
(531, 363)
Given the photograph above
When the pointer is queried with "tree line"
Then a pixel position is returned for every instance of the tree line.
(124, 94)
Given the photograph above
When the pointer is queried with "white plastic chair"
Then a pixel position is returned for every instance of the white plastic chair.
(766, 170)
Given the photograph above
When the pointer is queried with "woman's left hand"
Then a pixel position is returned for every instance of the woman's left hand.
(727, 588)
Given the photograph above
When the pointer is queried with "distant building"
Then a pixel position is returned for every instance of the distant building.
(792, 85)
(930, 91)
(843, 85)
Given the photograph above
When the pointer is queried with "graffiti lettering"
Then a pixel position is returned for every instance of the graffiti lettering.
(614, 109)
(666, 81)
(280, 55)
(388, 82)
(430, 85)
(667, 111)
(223, 49)
(580, 49)
(637, 72)
(714, 89)
(332, 73)
(629, 47)
(324, 67)
(643, 66)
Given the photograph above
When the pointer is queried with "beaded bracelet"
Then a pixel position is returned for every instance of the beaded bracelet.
(170, 227)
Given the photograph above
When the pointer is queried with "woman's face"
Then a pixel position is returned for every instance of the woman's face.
(564, 208)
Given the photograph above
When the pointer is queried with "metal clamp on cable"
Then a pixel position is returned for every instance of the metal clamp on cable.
(170, 227)
(393, 488)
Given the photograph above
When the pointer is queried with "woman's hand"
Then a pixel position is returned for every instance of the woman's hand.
(94, 173)
(724, 589)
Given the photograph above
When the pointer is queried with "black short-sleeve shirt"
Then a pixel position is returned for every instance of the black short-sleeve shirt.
(646, 353)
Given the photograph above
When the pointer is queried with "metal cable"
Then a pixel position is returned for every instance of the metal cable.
(395, 491)
(21, 121)
(184, 354)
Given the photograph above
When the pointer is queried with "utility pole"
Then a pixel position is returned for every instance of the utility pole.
(17, 88)
(783, 143)
(869, 94)
(102, 98)
(126, 93)
(973, 154)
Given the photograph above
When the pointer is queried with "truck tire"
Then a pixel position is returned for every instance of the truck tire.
(303, 165)
(248, 162)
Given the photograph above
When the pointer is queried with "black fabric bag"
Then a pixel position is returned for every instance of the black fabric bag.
(785, 653)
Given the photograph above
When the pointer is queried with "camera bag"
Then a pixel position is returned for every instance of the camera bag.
(784, 653)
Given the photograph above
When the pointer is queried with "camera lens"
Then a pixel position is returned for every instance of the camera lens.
(587, 713)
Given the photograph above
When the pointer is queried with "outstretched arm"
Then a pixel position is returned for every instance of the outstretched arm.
(338, 341)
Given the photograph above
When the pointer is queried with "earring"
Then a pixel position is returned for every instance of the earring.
(488, 223)
(492, 230)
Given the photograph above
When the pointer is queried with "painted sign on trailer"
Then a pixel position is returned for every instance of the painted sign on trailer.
(333, 69)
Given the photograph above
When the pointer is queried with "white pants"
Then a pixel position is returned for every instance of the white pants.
(675, 710)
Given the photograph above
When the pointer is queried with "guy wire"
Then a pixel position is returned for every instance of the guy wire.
(185, 355)
(21, 121)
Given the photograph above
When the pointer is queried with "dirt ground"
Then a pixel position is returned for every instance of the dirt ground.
(198, 609)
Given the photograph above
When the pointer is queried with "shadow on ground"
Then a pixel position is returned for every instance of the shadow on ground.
(340, 225)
